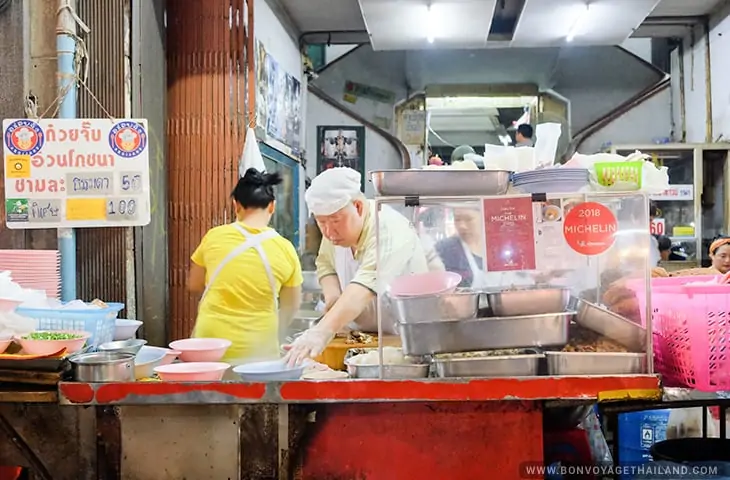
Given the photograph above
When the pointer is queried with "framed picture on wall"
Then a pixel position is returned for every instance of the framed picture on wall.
(341, 146)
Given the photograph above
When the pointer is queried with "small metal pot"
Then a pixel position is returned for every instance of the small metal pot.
(100, 367)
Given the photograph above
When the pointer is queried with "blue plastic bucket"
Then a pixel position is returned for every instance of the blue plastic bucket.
(637, 432)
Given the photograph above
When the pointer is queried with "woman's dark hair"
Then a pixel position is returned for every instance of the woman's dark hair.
(256, 189)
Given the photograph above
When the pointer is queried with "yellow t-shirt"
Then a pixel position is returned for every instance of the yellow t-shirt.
(239, 305)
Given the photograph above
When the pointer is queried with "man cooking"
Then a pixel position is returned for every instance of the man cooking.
(348, 269)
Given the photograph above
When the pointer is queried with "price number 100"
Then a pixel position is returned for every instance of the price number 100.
(121, 208)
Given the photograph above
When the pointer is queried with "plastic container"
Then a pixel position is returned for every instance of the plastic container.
(692, 338)
(98, 322)
(201, 349)
(663, 290)
(637, 432)
(5, 343)
(48, 347)
(192, 372)
(431, 283)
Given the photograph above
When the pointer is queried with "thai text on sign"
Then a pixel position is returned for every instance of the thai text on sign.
(73, 173)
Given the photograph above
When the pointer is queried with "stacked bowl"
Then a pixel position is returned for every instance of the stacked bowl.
(552, 180)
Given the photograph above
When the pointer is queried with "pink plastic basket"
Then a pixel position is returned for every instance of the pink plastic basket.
(692, 337)
(663, 294)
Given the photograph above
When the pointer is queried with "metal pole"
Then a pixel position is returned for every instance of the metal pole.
(67, 90)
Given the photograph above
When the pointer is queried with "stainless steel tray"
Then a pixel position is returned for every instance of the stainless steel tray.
(611, 325)
(525, 364)
(529, 301)
(453, 336)
(460, 305)
(595, 363)
(440, 182)
(418, 369)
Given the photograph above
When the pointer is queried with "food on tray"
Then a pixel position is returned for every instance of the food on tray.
(391, 356)
(584, 340)
(487, 353)
(462, 165)
(99, 303)
(659, 272)
(359, 338)
(51, 336)
(694, 272)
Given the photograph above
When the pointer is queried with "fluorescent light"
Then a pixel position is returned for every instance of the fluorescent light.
(578, 25)
(431, 23)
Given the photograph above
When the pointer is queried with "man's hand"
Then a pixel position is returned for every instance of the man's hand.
(308, 345)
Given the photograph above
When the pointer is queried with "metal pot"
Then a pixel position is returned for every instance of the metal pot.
(100, 367)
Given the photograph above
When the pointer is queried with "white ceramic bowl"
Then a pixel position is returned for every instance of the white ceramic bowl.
(125, 329)
(271, 371)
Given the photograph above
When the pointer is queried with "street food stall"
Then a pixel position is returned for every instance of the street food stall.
(462, 380)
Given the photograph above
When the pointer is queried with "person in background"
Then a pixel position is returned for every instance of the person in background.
(463, 252)
(354, 265)
(655, 252)
(459, 152)
(243, 271)
(720, 255)
(523, 136)
(664, 245)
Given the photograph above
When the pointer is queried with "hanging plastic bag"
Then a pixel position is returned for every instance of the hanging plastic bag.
(251, 157)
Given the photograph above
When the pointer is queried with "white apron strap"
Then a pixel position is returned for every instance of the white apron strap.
(252, 241)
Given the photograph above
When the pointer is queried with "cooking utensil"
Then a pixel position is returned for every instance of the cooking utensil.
(524, 364)
(460, 305)
(440, 182)
(595, 363)
(453, 336)
(99, 367)
(528, 301)
(611, 325)
(123, 346)
(416, 368)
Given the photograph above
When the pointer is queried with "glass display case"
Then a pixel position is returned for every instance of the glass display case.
(692, 212)
(511, 286)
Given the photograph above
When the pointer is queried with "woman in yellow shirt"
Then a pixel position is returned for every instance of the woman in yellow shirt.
(243, 270)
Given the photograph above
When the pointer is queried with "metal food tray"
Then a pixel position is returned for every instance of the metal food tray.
(524, 364)
(440, 182)
(611, 325)
(454, 336)
(529, 301)
(460, 305)
(595, 363)
(419, 369)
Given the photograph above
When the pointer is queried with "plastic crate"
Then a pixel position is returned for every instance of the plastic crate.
(98, 322)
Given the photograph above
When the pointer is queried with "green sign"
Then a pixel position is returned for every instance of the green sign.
(366, 91)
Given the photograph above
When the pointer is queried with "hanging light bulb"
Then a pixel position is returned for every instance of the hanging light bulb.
(431, 23)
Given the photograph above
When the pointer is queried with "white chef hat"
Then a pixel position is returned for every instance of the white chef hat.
(332, 190)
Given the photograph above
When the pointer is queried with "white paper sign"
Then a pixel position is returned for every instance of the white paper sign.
(676, 192)
(76, 173)
(657, 227)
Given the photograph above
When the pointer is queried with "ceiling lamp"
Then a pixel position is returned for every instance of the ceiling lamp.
(431, 24)
(578, 24)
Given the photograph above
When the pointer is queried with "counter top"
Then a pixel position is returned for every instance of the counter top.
(601, 389)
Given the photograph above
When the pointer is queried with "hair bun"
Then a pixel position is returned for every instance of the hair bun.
(254, 178)
(271, 179)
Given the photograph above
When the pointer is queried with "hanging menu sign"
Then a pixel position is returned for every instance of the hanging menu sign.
(590, 228)
(509, 233)
(76, 173)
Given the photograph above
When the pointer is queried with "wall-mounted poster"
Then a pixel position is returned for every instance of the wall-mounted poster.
(278, 100)
(341, 146)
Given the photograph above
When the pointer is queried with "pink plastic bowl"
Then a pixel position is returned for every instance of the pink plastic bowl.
(8, 305)
(4, 344)
(192, 372)
(47, 347)
(201, 349)
(422, 284)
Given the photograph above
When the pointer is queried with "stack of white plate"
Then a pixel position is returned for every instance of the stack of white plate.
(552, 180)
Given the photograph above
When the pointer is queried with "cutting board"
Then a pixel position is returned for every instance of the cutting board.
(334, 355)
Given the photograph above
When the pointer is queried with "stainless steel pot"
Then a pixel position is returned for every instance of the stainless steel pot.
(100, 367)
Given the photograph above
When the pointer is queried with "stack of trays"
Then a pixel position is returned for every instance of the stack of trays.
(552, 180)
(516, 320)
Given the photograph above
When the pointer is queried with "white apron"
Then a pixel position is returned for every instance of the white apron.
(346, 267)
(479, 277)
(251, 241)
